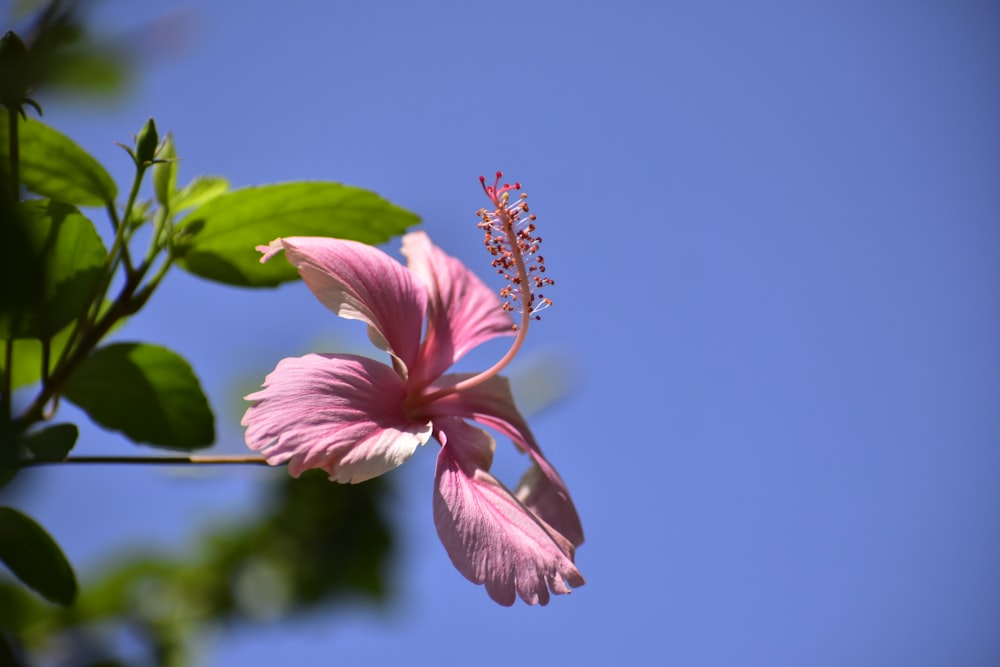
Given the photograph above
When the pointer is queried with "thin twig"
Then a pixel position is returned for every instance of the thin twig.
(154, 460)
(14, 149)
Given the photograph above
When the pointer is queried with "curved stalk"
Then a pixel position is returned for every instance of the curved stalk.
(522, 329)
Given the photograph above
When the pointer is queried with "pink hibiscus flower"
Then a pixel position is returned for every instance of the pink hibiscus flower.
(356, 418)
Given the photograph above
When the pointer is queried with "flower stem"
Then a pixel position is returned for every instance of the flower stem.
(6, 403)
(126, 220)
(152, 460)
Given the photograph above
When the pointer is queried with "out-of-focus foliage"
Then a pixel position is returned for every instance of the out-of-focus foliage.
(65, 54)
(53, 165)
(319, 544)
(34, 557)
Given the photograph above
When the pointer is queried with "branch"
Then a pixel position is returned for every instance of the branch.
(147, 460)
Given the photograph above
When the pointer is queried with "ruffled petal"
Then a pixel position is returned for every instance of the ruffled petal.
(339, 413)
(492, 404)
(359, 282)
(492, 538)
(462, 311)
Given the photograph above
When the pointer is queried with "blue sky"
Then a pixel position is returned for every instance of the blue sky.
(775, 232)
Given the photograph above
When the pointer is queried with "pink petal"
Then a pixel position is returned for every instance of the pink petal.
(340, 413)
(359, 282)
(462, 311)
(492, 404)
(492, 538)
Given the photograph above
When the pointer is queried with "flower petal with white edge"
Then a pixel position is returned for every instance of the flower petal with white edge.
(339, 413)
(492, 538)
(462, 311)
(492, 404)
(359, 282)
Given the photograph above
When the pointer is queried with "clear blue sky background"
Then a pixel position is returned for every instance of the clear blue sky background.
(775, 231)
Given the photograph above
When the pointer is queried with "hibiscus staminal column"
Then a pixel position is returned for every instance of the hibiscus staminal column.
(509, 235)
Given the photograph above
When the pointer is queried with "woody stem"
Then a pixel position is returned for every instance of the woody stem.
(154, 460)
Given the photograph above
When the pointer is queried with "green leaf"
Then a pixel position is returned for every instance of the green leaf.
(35, 558)
(52, 165)
(52, 443)
(145, 391)
(50, 262)
(165, 173)
(199, 191)
(27, 358)
(217, 239)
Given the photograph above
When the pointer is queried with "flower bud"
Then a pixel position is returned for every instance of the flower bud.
(13, 71)
(146, 143)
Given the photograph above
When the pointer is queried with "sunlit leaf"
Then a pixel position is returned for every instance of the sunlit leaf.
(27, 357)
(50, 262)
(165, 173)
(199, 191)
(219, 237)
(145, 391)
(53, 165)
(35, 558)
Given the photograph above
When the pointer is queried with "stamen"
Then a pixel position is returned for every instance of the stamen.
(509, 236)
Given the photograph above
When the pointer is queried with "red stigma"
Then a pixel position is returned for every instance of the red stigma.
(495, 191)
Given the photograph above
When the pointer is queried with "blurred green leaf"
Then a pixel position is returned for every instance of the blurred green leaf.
(35, 558)
(50, 263)
(145, 391)
(52, 443)
(219, 237)
(53, 165)
(28, 357)
(92, 69)
(311, 544)
(200, 190)
(64, 54)
(165, 173)
(333, 537)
